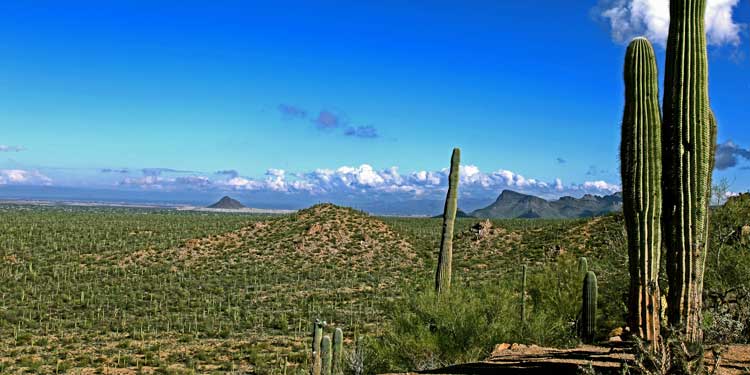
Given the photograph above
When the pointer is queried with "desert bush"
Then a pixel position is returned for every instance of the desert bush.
(426, 331)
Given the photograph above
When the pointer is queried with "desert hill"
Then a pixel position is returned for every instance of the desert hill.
(323, 233)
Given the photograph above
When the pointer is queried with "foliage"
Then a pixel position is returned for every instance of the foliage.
(428, 331)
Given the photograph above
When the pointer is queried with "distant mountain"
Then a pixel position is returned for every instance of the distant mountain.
(227, 203)
(459, 214)
(511, 204)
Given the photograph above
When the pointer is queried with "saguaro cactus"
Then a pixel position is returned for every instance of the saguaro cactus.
(523, 293)
(687, 153)
(338, 352)
(316, 347)
(640, 168)
(445, 259)
(589, 307)
(327, 355)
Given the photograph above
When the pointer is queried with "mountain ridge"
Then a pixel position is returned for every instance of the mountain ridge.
(513, 205)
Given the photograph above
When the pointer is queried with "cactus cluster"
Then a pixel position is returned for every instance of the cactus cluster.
(640, 154)
(667, 162)
(445, 258)
(327, 355)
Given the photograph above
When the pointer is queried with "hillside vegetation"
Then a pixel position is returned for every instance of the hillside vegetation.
(90, 289)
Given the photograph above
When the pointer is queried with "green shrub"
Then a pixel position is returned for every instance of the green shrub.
(463, 325)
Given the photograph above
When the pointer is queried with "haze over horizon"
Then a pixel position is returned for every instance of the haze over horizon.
(358, 104)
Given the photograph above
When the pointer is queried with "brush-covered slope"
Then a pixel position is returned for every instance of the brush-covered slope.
(323, 234)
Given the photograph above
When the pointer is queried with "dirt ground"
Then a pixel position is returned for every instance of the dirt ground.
(522, 359)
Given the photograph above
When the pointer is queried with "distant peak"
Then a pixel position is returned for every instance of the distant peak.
(227, 202)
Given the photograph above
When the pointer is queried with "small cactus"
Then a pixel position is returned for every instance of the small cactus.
(338, 352)
(326, 353)
(588, 311)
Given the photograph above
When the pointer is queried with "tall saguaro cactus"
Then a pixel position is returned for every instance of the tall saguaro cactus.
(445, 259)
(687, 153)
(640, 168)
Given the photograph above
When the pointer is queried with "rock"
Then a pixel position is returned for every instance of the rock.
(501, 347)
(482, 229)
(745, 234)
(616, 332)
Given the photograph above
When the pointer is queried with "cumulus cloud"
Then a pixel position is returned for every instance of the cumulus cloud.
(728, 155)
(631, 18)
(5, 148)
(364, 179)
(23, 177)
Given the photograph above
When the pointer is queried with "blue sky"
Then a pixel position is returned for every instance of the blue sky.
(320, 97)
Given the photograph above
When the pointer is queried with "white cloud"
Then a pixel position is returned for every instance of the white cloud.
(650, 18)
(364, 180)
(23, 177)
(601, 186)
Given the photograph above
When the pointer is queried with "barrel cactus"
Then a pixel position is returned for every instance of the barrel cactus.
(445, 258)
(640, 169)
(687, 152)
